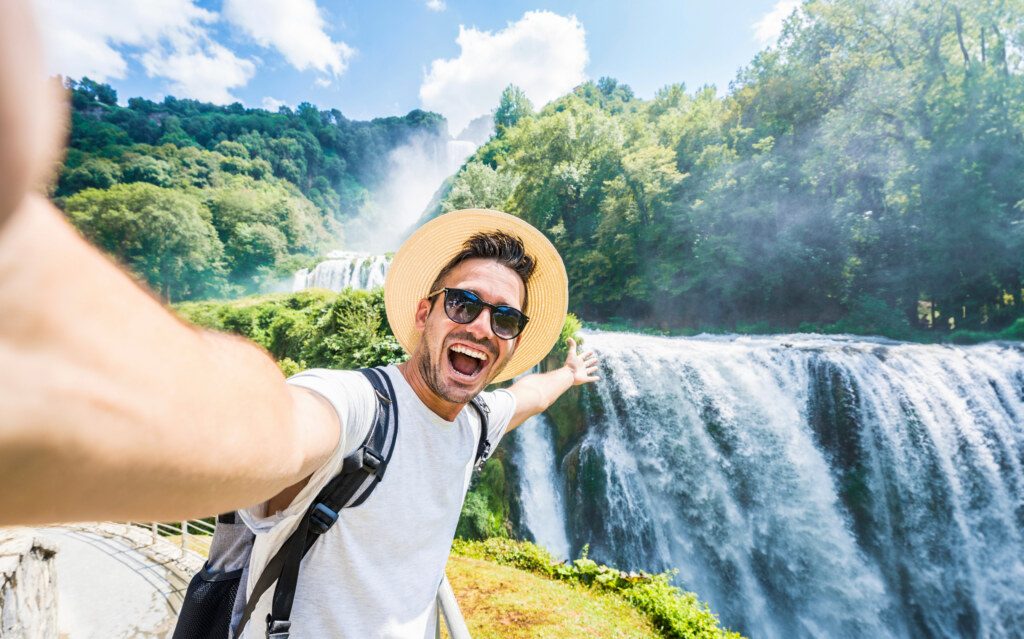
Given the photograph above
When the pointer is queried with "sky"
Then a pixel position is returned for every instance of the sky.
(378, 58)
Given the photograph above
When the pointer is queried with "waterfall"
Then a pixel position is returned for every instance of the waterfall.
(539, 486)
(811, 486)
(415, 173)
(343, 269)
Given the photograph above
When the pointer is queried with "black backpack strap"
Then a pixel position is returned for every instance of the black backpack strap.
(483, 447)
(360, 473)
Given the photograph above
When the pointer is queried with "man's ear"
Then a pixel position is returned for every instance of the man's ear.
(422, 310)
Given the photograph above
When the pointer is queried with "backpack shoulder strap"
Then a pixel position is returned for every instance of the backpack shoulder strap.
(360, 473)
(483, 446)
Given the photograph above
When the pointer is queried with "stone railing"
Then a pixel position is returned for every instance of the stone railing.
(28, 586)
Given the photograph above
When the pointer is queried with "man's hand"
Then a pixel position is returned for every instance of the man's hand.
(534, 393)
(32, 110)
(582, 366)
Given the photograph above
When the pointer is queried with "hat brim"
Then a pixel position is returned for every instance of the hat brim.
(433, 245)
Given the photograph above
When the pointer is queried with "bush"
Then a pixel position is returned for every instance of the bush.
(872, 316)
(674, 613)
(1014, 331)
(309, 328)
(485, 510)
(477, 521)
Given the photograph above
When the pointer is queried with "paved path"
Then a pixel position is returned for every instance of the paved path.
(114, 583)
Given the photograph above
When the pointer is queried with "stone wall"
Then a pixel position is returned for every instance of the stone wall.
(28, 586)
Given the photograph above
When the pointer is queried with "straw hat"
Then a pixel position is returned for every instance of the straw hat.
(428, 250)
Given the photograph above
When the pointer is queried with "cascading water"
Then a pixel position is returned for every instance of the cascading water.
(540, 494)
(344, 269)
(811, 486)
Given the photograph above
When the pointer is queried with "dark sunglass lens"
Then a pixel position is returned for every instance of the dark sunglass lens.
(462, 306)
(505, 324)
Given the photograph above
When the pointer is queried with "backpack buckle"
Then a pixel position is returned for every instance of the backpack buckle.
(277, 629)
(321, 519)
(483, 456)
(372, 460)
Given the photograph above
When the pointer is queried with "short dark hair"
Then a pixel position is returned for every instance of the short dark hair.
(504, 248)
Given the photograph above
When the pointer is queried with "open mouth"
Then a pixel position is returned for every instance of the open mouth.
(466, 362)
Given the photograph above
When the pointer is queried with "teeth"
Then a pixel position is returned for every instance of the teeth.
(459, 348)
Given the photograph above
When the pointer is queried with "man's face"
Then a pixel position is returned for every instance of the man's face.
(458, 360)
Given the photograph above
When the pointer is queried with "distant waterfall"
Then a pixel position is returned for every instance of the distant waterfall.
(811, 486)
(343, 270)
(540, 487)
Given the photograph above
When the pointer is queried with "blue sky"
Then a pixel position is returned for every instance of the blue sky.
(371, 59)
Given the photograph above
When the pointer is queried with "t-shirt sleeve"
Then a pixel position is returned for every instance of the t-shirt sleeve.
(351, 396)
(503, 405)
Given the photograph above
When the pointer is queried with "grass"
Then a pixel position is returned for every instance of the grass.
(504, 602)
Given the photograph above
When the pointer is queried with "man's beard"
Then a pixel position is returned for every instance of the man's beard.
(434, 378)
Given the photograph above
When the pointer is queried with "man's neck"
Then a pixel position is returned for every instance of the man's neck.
(444, 409)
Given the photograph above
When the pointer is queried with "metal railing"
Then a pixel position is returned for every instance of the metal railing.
(194, 536)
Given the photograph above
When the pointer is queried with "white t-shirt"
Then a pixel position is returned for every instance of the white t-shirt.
(376, 571)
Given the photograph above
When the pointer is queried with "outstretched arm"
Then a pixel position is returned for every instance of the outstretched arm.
(110, 407)
(534, 393)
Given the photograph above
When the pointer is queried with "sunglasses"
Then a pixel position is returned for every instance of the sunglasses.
(462, 307)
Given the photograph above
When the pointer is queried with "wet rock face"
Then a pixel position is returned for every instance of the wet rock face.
(28, 586)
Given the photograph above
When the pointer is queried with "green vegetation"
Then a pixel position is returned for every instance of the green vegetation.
(275, 187)
(309, 329)
(673, 613)
(861, 176)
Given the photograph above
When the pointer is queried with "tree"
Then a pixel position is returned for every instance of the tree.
(162, 235)
(513, 106)
(93, 173)
(479, 186)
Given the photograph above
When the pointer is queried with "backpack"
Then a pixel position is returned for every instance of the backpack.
(215, 606)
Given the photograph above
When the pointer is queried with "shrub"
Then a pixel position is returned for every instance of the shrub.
(309, 328)
(1014, 331)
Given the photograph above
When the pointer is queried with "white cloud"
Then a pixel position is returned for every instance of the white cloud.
(436, 5)
(204, 71)
(295, 29)
(273, 104)
(543, 53)
(81, 35)
(768, 29)
(87, 38)
(323, 83)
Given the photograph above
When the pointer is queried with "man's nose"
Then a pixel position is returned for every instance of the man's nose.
(481, 326)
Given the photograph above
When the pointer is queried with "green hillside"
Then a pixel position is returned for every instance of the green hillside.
(202, 200)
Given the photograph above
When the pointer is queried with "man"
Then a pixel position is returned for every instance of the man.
(453, 295)
(111, 408)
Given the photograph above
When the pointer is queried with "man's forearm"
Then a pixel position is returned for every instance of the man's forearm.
(535, 393)
(110, 407)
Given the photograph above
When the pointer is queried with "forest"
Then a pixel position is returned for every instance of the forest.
(862, 175)
(204, 201)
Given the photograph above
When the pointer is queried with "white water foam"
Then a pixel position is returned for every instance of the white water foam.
(540, 486)
(344, 269)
